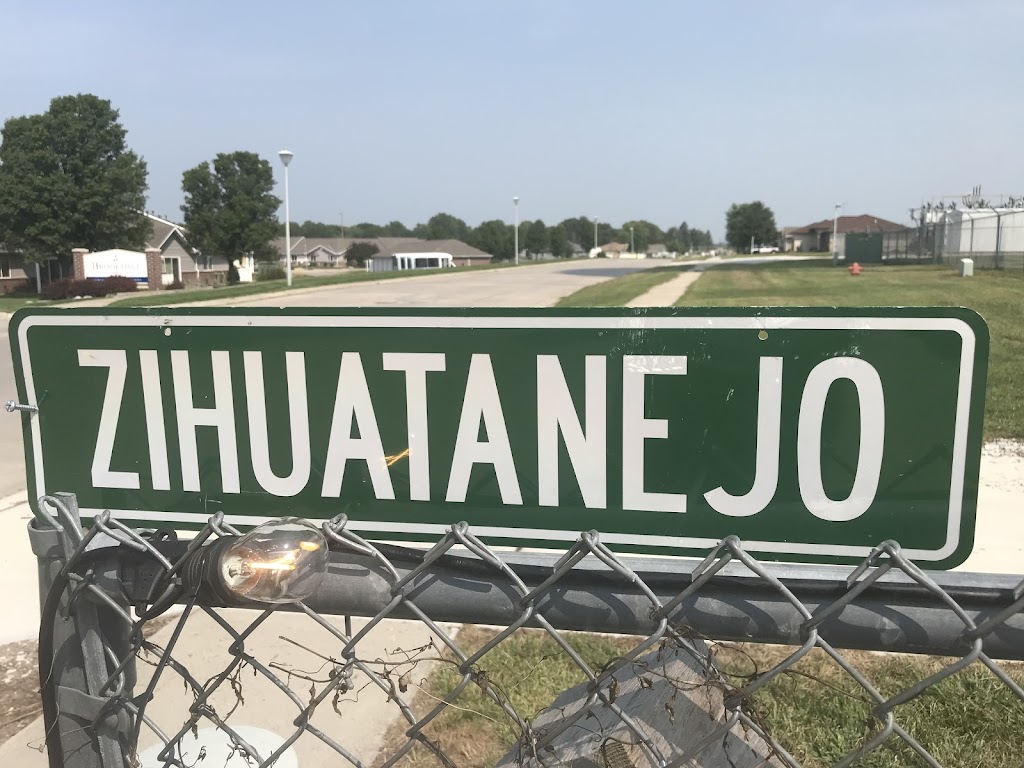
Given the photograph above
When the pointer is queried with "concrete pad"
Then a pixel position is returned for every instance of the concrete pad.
(359, 723)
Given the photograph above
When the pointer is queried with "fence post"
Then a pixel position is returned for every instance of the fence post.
(72, 657)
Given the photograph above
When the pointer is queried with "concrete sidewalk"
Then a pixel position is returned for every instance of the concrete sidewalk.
(667, 294)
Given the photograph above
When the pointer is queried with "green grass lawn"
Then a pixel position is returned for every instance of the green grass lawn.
(621, 290)
(998, 296)
(12, 303)
(816, 710)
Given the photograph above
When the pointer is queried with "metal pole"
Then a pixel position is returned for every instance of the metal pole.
(632, 248)
(896, 614)
(286, 158)
(515, 201)
(595, 233)
(88, 734)
(287, 232)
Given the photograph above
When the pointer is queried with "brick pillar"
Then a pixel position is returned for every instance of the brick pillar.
(78, 263)
(155, 269)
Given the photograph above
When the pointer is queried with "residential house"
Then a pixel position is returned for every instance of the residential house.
(412, 253)
(330, 251)
(818, 236)
(181, 262)
(15, 274)
(659, 251)
(615, 250)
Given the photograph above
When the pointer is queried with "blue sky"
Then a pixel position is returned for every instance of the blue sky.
(662, 110)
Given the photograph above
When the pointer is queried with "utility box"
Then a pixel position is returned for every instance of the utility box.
(966, 267)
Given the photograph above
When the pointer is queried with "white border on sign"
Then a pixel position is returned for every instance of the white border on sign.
(959, 466)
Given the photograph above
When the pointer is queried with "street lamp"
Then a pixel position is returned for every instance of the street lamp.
(515, 202)
(632, 248)
(595, 233)
(286, 157)
(835, 233)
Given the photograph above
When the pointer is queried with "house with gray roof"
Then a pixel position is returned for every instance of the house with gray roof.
(330, 251)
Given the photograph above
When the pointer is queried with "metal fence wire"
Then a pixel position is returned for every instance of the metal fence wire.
(117, 694)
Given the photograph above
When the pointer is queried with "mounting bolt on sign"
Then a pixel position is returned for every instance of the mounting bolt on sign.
(12, 406)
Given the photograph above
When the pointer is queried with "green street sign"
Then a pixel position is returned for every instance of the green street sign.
(812, 434)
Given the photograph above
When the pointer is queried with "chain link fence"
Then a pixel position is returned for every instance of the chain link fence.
(991, 238)
(140, 663)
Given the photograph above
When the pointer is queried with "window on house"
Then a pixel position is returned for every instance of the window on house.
(168, 266)
(5, 266)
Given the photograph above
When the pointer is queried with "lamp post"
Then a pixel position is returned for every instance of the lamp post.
(835, 234)
(286, 157)
(632, 248)
(515, 202)
(595, 233)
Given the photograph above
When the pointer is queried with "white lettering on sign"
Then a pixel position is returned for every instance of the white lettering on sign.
(353, 408)
(573, 417)
(116, 360)
(221, 417)
(872, 438)
(637, 430)
(483, 404)
(416, 365)
(156, 428)
(298, 419)
(766, 467)
(556, 415)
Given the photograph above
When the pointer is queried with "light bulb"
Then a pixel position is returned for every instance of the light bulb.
(282, 561)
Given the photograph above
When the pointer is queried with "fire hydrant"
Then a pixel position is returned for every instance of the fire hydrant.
(855, 268)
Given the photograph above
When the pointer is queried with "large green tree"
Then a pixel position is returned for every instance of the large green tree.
(444, 226)
(358, 253)
(559, 241)
(749, 221)
(230, 208)
(493, 237)
(536, 240)
(68, 180)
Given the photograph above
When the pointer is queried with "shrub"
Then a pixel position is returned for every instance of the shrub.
(269, 272)
(118, 284)
(70, 289)
(177, 285)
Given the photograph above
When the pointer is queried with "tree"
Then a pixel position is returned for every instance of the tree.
(358, 253)
(396, 229)
(536, 240)
(559, 241)
(580, 231)
(230, 209)
(748, 222)
(493, 237)
(444, 226)
(68, 180)
(364, 229)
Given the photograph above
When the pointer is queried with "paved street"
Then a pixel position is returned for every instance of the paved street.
(536, 285)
